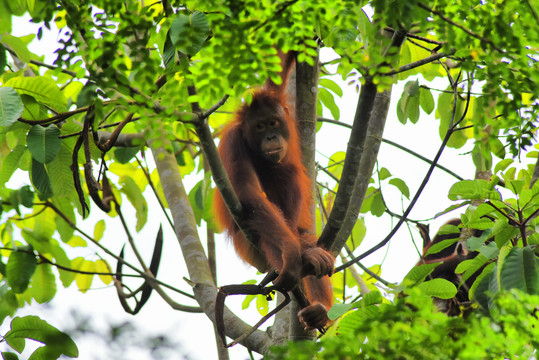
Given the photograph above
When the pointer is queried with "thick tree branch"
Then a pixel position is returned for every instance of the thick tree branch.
(351, 164)
(353, 186)
(193, 252)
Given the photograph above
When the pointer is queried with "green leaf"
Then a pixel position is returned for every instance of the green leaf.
(473, 189)
(44, 142)
(84, 281)
(401, 185)
(124, 155)
(99, 229)
(169, 52)
(62, 180)
(496, 146)
(371, 298)
(18, 46)
(189, 32)
(358, 234)
(43, 285)
(27, 196)
(328, 100)
(520, 270)
(418, 273)
(135, 197)
(436, 248)
(426, 100)
(11, 163)
(9, 356)
(44, 90)
(20, 268)
(331, 85)
(502, 165)
(440, 288)
(384, 173)
(378, 207)
(11, 106)
(40, 180)
(411, 88)
(56, 342)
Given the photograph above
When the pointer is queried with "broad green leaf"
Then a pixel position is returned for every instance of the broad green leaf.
(20, 268)
(440, 288)
(56, 342)
(124, 155)
(329, 102)
(45, 225)
(411, 88)
(358, 234)
(426, 100)
(44, 90)
(11, 106)
(418, 273)
(27, 196)
(5, 22)
(444, 112)
(520, 270)
(401, 109)
(196, 198)
(384, 173)
(331, 85)
(84, 281)
(262, 305)
(62, 179)
(487, 270)
(369, 299)
(408, 104)
(9, 355)
(401, 185)
(19, 46)
(469, 267)
(99, 230)
(169, 53)
(101, 266)
(189, 32)
(135, 197)
(11, 163)
(40, 180)
(43, 285)
(44, 142)
(378, 207)
(436, 248)
(496, 146)
(473, 189)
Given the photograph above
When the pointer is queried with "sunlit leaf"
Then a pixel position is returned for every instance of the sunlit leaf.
(11, 106)
(43, 89)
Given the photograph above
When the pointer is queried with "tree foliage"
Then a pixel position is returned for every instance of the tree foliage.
(137, 83)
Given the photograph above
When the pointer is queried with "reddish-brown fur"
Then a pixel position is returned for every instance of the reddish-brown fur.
(276, 196)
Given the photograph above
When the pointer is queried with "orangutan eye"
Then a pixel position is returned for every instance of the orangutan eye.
(260, 126)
